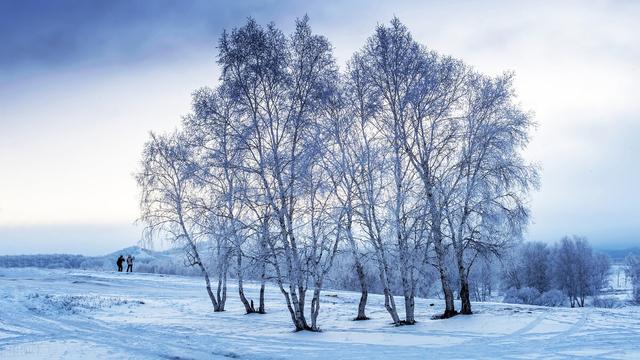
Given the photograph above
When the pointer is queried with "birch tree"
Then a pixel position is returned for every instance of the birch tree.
(578, 272)
(462, 135)
(219, 160)
(488, 190)
(279, 86)
(370, 158)
(170, 206)
(402, 73)
(344, 173)
(632, 270)
(325, 229)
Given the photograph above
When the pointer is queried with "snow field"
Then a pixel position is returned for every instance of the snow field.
(63, 314)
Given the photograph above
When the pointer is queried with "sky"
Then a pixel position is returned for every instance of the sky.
(83, 82)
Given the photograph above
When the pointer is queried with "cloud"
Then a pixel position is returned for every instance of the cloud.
(81, 84)
(46, 35)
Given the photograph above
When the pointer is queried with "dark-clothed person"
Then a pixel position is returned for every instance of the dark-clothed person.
(119, 262)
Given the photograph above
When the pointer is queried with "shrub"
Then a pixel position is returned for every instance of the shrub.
(525, 295)
(552, 298)
(607, 302)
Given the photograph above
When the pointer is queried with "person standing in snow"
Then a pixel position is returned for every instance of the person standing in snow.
(119, 262)
(130, 263)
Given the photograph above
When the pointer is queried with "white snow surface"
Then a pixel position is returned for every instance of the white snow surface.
(70, 314)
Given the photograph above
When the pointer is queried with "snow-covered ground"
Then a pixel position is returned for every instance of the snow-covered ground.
(52, 314)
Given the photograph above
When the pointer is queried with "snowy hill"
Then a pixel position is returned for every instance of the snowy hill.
(145, 255)
(75, 314)
(164, 262)
(159, 262)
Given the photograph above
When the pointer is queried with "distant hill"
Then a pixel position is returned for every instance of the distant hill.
(163, 262)
(618, 255)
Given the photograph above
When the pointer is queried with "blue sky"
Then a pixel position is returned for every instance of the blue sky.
(82, 83)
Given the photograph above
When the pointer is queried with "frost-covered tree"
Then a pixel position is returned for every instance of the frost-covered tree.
(486, 191)
(279, 86)
(530, 265)
(342, 159)
(392, 64)
(484, 278)
(261, 255)
(578, 272)
(218, 157)
(369, 174)
(325, 229)
(570, 267)
(454, 139)
(174, 205)
(632, 263)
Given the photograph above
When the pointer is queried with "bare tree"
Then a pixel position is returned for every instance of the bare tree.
(461, 134)
(279, 87)
(325, 223)
(344, 171)
(483, 278)
(262, 238)
(399, 70)
(578, 272)
(219, 158)
(530, 265)
(632, 271)
(487, 192)
(170, 206)
(369, 180)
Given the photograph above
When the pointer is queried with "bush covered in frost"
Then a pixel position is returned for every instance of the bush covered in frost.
(552, 298)
(73, 304)
(607, 302)
(524, 295)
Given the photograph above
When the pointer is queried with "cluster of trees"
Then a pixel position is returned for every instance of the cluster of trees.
(549, 275)
(408, 162)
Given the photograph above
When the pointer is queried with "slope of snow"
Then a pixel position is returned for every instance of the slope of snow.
(144, 254)
(70, 314)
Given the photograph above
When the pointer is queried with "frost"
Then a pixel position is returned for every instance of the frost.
(73, 304)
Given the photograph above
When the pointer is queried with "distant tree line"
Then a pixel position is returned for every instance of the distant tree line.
(51, 261)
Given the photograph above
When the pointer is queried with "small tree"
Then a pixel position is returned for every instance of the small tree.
(578, 272)
(633, 270)
(528, 265)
